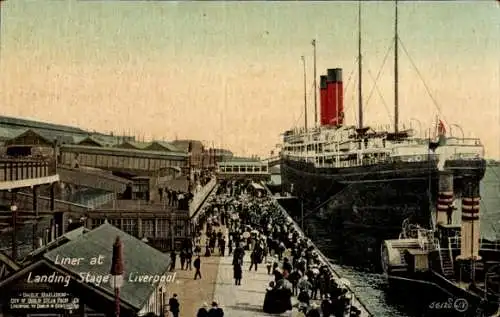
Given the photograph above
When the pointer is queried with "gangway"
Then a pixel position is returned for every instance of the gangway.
(234, 170)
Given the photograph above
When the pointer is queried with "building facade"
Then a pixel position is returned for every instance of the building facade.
(71, 278)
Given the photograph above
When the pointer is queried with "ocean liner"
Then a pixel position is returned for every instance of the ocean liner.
(369, 180)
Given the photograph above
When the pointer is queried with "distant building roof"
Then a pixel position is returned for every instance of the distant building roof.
(79, 138)
(155, 145)
(47, 135)
(138, 257)
(183, 145)
(121, 151)
(99, 139)
(134, 144)
(220, 151)
(7, 132)
(18, 122)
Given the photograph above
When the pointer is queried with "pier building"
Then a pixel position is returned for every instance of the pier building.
(130, 161)
(70, 277)
(16, 175)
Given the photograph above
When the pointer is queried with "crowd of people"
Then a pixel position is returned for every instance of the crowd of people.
(256, 225)
(180, 199)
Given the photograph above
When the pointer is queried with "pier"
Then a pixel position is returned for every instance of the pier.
(154, 222)
(136, 180)
(247, 299)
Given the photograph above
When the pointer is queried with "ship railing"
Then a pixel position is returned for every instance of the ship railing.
(413, 141)
(436, 244)
(464, 141)
(373, 161)
(466, 155)
(244, 173)
(426, 240)
(484, 244)
(440, 252)
(414, 157)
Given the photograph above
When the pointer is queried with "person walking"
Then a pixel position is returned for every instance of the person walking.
(215, 311)
(230, 245)
(182, 257)
(255, 259)
(189, 260)
(222, 246)
(449, 213)
(173, 257)
(238, 273)
(174, 306)
(203, 311)
(197, 267)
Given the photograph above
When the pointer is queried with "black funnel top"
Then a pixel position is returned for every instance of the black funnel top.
(322, 82)
(330, 75)
(338, 75)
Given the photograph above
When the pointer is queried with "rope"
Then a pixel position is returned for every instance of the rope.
(379, 73)
(423, 82)
(380, 95)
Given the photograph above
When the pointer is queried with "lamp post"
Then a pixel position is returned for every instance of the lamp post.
(13, 209)
(117, 273)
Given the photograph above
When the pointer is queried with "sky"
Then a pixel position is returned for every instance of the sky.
(230, 73)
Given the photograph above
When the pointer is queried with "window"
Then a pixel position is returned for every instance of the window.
(129, 226)
(180, 228)
(148, 228)
(162, 229)
(115, 222)
(97, 222)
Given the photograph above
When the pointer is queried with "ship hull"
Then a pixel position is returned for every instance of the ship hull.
(362, 206)
(436, 296)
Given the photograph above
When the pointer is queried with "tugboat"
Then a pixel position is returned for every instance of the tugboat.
(449, 270)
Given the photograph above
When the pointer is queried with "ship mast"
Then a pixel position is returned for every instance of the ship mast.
(396, 75)
(315, 86)
(360, 73)
(305, 92)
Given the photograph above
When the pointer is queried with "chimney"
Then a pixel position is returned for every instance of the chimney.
(470, 233)
(331, 107)
(445, 196)
(339, 99)
(323, 99)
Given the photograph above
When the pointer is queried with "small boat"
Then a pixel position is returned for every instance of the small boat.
(451, 269)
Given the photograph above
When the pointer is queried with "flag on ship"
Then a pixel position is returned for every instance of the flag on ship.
(441, 128)
(440, 135)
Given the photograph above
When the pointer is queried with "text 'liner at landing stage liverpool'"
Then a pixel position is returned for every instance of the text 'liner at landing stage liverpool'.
(371, 179)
